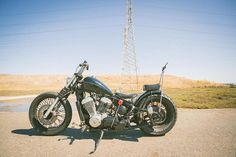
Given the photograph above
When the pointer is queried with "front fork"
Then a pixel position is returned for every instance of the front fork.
(51, 107)
(79, 96)
(62, 95)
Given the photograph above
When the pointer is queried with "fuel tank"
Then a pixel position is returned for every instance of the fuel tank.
(91, 84)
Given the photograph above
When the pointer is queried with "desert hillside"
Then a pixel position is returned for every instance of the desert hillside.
(185, 92)
(28, 84)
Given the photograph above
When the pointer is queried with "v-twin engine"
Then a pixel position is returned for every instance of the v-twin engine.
(97, 114)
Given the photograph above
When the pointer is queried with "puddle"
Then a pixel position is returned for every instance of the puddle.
(14, 107)
(7, 107)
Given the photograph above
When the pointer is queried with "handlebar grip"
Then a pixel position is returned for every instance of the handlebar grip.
(84, 64)
(163, 68)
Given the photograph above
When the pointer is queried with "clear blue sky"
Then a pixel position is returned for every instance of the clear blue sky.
(197, 38)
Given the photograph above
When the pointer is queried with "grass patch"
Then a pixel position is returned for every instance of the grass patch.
(203, 98)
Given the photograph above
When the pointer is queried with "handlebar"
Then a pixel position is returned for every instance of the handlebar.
(78, 73)
(82, 67)
(84, 64)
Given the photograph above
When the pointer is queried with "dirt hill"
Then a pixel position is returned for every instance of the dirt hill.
(32, 84)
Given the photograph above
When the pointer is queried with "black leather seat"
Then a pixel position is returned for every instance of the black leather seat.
(151, 87)
(126, 96)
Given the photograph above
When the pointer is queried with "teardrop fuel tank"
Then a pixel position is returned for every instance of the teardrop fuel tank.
(91, 84)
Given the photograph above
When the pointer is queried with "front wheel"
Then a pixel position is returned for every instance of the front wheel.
(163, 116)
(57, 120)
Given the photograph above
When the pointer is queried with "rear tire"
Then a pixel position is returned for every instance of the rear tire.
(36, 122)
(161, 127)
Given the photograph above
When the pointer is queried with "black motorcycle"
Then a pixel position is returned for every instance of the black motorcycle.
(98, 108)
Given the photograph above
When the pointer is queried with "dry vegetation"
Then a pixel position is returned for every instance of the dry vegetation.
(29, 84)
(33, 84)
(185, 92)
(220, 97)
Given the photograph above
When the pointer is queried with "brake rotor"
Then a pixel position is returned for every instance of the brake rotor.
(159, 115)
(51, 117)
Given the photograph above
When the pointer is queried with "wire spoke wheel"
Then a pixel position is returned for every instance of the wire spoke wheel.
(55, 118)
(162, 119)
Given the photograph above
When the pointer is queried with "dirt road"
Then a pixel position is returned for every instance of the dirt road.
(210, 132)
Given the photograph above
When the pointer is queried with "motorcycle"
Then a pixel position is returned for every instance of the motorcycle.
(98, 108)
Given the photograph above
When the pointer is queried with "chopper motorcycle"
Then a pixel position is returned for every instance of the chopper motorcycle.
(98, 108)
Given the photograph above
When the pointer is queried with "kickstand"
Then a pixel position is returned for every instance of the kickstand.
(97, 142)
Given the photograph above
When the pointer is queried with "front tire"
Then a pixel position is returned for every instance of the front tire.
(55, 123)
(158, 125)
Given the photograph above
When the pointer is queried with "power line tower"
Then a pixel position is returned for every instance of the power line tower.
(129, 75)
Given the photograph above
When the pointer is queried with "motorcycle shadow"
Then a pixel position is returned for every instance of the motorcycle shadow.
(127, 135)
(73, 134)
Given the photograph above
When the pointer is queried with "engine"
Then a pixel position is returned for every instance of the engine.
(97, 113)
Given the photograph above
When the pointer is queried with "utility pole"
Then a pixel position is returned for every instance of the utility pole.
(129, 75)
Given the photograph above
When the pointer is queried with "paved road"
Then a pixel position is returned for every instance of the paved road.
(210, 133)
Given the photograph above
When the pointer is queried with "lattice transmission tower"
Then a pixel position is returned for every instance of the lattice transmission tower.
(129, 74)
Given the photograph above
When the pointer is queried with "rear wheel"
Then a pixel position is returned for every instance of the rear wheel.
(163, 116)
(57, 120)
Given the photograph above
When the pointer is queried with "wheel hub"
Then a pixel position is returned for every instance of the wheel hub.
(50, 119)
(159, 115)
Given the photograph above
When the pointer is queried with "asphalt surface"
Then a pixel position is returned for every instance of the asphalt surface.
(200, 133)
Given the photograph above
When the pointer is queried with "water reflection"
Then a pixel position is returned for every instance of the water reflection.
(14, 107)
(8, 107)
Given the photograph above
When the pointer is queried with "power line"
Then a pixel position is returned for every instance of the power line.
(103, 6)
(191, 10)
(60, 20)
(56, 10)
(56, 30)
(102, 16)
(151, 16)
(184, 30)
(116, 25)
(105, 16)
(217, 41)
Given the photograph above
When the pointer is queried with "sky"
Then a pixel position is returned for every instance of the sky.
(196, 37)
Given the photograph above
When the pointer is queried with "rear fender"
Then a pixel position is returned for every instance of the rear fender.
(141, 99)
